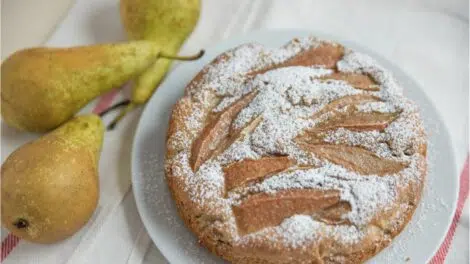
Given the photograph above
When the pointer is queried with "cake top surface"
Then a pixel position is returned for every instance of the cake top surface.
(287, 144)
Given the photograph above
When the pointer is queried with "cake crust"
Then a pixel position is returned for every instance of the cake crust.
(308, 153)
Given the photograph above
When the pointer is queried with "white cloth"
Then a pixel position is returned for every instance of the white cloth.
(427, 39)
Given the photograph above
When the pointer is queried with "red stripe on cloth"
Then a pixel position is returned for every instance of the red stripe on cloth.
(441, 254)
(105, 101)
(10, 242)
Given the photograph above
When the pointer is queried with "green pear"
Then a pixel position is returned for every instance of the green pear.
(167, 23)
(41, 88)
(50, 185)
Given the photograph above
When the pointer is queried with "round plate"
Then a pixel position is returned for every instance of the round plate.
(416, 244)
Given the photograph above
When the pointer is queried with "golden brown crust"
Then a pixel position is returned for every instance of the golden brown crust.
(228, 227)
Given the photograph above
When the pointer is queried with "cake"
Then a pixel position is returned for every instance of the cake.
(306, 153)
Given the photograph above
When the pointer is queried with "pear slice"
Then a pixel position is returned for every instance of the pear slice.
(356, 80)
(216, 131)
(264, 210)
(358, 121)
(334, 215)
(235, 135)
(355, 159)
(324, 55)
(346, 100)
(245, 171)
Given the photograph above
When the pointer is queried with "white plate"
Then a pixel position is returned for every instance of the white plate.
(416, 244)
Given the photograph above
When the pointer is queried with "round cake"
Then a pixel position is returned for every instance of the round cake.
(307, 153)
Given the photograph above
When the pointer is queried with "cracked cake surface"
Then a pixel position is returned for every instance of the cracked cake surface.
(307, 153)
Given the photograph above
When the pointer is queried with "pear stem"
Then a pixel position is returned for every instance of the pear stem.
(182, 58)
(113, 107)
(21, 223)
(118, 118)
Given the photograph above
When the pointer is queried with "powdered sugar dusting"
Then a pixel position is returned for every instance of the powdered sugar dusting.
(228, 76)
(360, 63)
(365, 194)
(370, 140)
(286, 100)
(299, 230)
(380, 107)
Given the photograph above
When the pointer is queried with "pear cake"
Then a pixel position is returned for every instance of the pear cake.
(307, 153)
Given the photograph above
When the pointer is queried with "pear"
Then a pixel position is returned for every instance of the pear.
(50, 185)
(165, 22)
(41, 88)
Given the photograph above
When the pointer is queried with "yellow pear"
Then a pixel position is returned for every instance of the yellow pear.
(165, 22)
(50, 185)
(41, 88)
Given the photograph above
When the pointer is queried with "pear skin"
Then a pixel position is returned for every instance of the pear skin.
(41, 88)
(147, 82)
(50, 185)
(167, 23)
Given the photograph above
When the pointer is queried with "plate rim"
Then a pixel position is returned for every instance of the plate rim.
(300, 32)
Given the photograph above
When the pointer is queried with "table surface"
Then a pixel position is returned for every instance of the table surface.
(434, 26)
